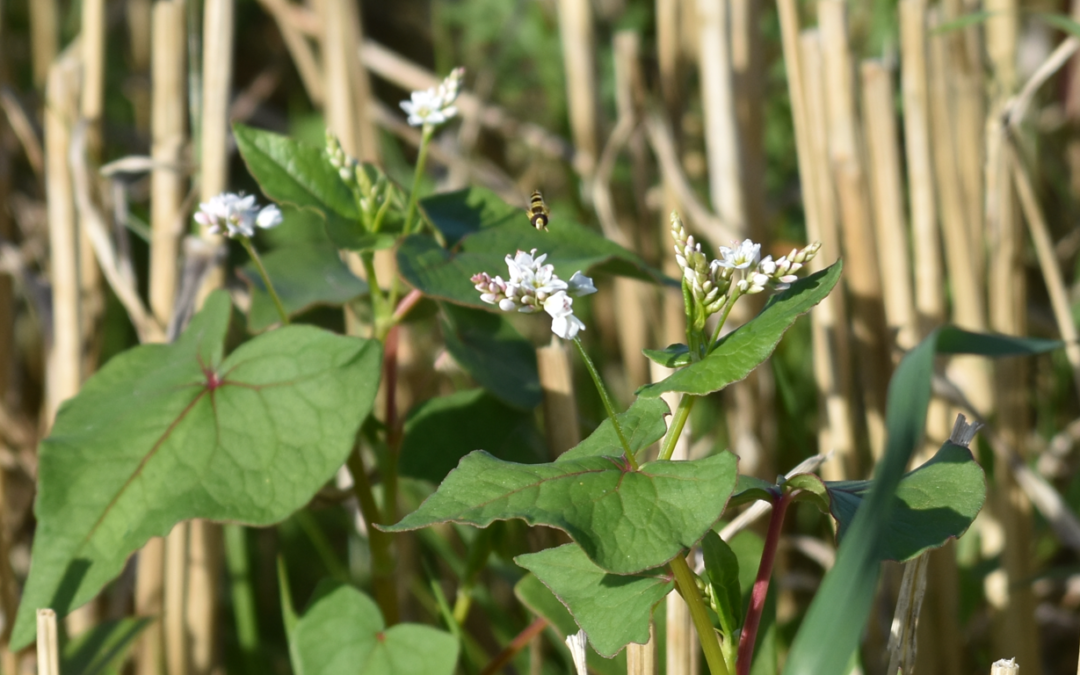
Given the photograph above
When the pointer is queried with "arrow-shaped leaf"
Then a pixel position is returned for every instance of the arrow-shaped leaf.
(612, 609)
(626, 521)
(749, 345)
(164, 433)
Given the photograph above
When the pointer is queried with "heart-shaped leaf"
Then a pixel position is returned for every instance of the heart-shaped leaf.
(612, 609)
(626, 521)
(541, 601)
(490, 349)
(745, 348)
(491, 232)
(304, 275)
(435, 439)
(343, 633)
(643, 424)
(164, 433)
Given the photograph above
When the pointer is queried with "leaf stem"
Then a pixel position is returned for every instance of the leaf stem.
(684, 578)
(246, 242)
(520, 642)
(761, 585)
(393, 432)
(243, 596)
(382, 563)
(723, 319)
(421, 160)
(607, 404)
(675, 429)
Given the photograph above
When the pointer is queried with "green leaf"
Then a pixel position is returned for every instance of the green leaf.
(304, 275)
(961, 22)
(837, 616)
(435, 438)
(488, 347)
(738, 353)
(722, 571)
(643, 424)
(541, 601)
(672, 356)
(300, 175)
(626, 521)
(612, 609)
(164, 433)
(343, 633)
(934, 503)
(101, 650)
(489, 232)
(752, 489)
(1061, 22)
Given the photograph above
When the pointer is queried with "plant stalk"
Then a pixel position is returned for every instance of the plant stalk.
(246, 242)
(382, 563)
(607, 404)
(243, 596)
(421, 160)
(675, 429)
(684, 578)
(761, 585)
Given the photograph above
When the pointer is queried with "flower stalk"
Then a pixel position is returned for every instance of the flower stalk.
(627, 451)
(250, 248)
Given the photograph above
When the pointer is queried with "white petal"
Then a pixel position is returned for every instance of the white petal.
(269, 217)
(580, 284)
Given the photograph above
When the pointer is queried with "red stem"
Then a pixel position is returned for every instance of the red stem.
(523, 638)
(761, 586)
(406, 304)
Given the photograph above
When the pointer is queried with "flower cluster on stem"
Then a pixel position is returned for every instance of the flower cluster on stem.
(533, 286)
(436, 105)
(236, 215)
(373, 198)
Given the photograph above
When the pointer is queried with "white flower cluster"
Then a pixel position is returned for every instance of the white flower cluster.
(345, 164)
(710, 282)
(235, 215)
(435, 105)
(533, 286)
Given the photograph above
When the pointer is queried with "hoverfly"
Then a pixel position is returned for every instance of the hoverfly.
(538, 212)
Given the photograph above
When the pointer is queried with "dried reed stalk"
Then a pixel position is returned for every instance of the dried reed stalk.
(829, 327)
(174, 622)
(167, 189)
(1048, 263)
(345, 81)
(64, 372)
(668, 56)
(722, 142)
(139, 36)
(1005, 667)
(561, 426)
(861, 265)
(299, 48)
(748, 85)
(44, 37)
(1008, 589)
(883, 140)
(48, 643)
(169, 139)
(579, 50)
(92, 41)
(641, 659)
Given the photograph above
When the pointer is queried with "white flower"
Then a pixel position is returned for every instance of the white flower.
(435, 105)
(580, 285)
(533, 286)
(236, 215)
(741, 256)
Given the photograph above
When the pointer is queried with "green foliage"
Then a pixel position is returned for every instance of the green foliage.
(343, 633)
(722, 574)
(101, 650)
(626, 521)
(436, 437)
(612, 609)
(304, 275)
(491, 350)
(832, 627)
(164, 433)
(745, 348)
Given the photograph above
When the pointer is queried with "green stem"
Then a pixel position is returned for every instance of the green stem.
(382, 563)
(243, 596)
(723, 319)
(675, 429)
(607, 405)
(421, 160)
(246, 242)
(684, 578)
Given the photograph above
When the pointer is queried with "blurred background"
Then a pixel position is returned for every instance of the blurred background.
(935, 146)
